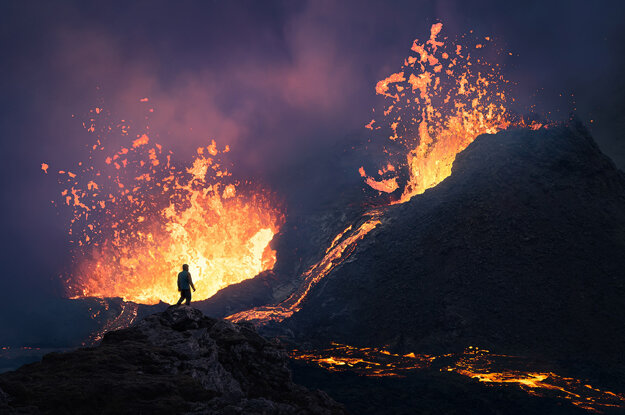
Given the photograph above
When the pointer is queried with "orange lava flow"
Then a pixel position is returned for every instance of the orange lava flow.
(440, 100)
(367, 361)
(138, 216)
(436, 105)
(492, 369)
(483, 366)
(340, 249)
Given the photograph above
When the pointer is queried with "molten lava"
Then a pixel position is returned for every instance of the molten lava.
(492, 369)
(366, 361)
(438, 103)
(435, 106)
(139, 217)
(340, 249)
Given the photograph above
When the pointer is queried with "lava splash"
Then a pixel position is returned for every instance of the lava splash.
(444, 96)
(138, 216)
(438, 103)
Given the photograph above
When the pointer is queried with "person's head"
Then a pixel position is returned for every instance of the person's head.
(185, 267)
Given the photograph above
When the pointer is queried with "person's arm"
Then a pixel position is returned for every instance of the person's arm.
(191, 282)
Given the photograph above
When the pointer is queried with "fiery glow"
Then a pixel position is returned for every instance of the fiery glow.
(386, 185)
(438, 103)
(492, 369)
(486, 367)
(367, 361)
(140, 217)
(340, 249)
(435, 106)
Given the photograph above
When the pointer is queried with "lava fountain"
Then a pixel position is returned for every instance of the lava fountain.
(444, 96)
(138, 216)
(434, 107)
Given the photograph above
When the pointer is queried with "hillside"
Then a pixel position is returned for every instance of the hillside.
(520, 250)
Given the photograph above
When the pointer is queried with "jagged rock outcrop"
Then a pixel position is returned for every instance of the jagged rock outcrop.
(520, 250)
(175, 362)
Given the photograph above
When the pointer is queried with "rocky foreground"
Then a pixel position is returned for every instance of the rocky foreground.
(175, 362)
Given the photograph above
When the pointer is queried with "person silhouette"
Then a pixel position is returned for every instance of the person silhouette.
(184, 285)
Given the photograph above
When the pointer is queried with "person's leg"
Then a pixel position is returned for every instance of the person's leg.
(188, 295)
(181, 297)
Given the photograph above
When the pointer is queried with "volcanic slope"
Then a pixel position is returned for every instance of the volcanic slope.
(520, 250)
(177, 361)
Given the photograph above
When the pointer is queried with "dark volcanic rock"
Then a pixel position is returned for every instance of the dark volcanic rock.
(300, 244)
(520, 250)
(431, 392)
(241, 296)
(177, 361)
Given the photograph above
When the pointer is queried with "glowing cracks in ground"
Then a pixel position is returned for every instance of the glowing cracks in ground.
(492, 369)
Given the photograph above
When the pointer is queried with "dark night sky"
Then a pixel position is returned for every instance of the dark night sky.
(280, 82)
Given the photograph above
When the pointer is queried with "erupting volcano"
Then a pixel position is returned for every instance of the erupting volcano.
(372, 223)
(442, 99)
(142, 215)
(444, 96)
(138, 215)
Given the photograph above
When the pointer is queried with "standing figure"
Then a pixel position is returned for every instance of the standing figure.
(185, 284)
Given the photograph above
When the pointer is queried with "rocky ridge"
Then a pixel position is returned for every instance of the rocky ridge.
(177, 361)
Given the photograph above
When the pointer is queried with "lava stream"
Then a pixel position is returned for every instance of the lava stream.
(335, 255)
(436, 106)
(491, 369)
